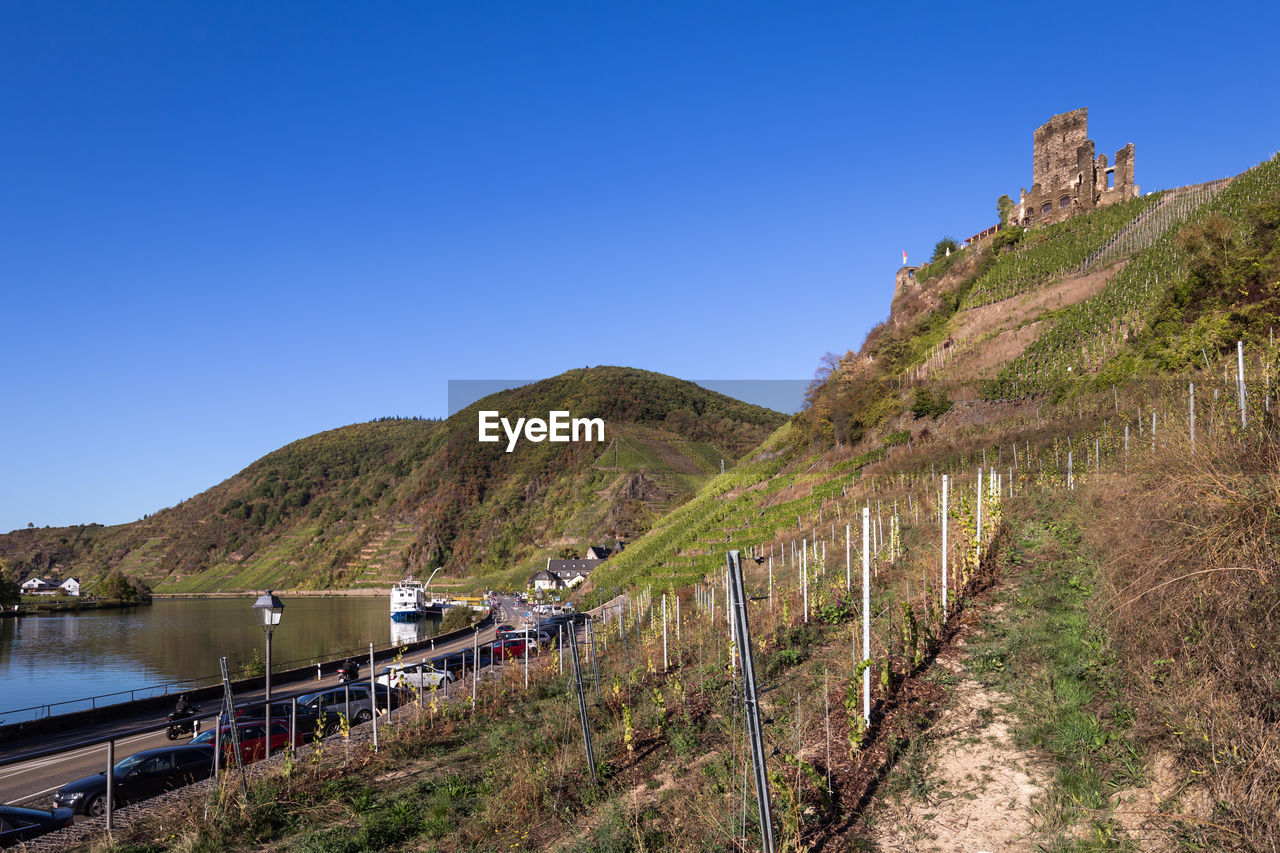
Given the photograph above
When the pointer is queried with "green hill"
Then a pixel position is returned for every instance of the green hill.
(364, 504)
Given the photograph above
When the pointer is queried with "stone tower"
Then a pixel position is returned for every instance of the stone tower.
(1066, 178)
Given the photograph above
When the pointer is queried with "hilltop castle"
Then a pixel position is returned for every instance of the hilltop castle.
(1066, 179)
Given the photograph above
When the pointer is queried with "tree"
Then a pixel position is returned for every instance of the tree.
(944, 247)
(457, 617)
(1004, 207)
(10, 592)
(827, 367)
(116, 585)
(930, 404)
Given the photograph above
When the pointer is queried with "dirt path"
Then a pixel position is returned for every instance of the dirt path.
(973, 788)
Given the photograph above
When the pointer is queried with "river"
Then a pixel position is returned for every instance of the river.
(62, 658)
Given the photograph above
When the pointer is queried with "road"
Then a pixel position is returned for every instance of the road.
(33, 782)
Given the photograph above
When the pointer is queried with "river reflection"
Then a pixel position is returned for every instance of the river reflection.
(50, 659)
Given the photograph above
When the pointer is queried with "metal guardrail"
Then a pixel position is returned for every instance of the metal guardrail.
(165, 688)
(146, 728)
(217, 718)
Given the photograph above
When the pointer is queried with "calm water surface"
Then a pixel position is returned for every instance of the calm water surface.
(49, 659)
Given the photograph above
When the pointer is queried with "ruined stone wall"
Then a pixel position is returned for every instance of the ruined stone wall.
(1054, 148)
(1120, 187)
(905, 279)
(1066, 177)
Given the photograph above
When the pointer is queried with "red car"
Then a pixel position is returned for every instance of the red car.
(252, 740)
(511, 649)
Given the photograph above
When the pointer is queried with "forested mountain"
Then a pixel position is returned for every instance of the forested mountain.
(364, 504)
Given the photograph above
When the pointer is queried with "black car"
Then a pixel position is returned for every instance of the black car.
(552, 624)
(138, 777)
(19, 824)
(459, 661)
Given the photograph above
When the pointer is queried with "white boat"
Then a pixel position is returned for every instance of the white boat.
(439, 604)
(408, 600)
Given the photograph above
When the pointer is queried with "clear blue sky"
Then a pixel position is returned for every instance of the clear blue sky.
(226, 226)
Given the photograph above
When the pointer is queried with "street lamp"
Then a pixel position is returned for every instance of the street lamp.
(268, 608)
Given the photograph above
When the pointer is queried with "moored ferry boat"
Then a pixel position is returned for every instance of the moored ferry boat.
(408, 600)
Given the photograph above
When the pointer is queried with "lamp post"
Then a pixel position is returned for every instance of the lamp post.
(268, 608)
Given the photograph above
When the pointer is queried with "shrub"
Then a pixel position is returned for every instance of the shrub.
(457, 617)
(943, 248)
(897, 437)
(928, 403)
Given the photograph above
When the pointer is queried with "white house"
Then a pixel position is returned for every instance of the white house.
(544, 580)
(563, 574)
(37, 586)
(71, 586)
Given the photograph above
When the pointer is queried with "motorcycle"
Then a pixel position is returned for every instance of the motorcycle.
(183, 723)
(348, 671)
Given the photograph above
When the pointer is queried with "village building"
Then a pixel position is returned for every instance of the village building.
(566, 574)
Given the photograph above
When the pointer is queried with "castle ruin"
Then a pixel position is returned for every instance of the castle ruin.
(1066, 178)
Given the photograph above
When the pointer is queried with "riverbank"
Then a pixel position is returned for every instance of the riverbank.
(292, 593)
(67, 605)
(451, 588)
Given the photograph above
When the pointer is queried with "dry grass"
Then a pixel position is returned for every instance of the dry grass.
(1192, 596)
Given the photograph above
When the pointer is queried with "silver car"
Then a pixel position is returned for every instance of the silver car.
(419, 676)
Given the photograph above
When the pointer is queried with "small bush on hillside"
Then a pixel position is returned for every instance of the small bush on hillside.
(929, 403)
(1006, 239)
(897, 437)
(944, 248)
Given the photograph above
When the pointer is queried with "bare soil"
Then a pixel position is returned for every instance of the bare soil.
(978, 786)
(1008, 327)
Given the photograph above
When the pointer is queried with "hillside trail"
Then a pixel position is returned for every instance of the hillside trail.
(970, 788)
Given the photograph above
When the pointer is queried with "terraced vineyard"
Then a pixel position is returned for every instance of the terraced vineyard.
(1045, 253)
(1085, 335)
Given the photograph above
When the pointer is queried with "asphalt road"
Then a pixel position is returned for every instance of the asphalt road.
(33, 782)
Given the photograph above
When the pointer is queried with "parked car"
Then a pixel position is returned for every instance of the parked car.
(280, 712)
(417, 676)
(457, 662)
(462, 661)
(327, 705)
(532, 634)
(511, 649)
(138, 777)
(557, 630)
(253, 739)
(19, 824)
